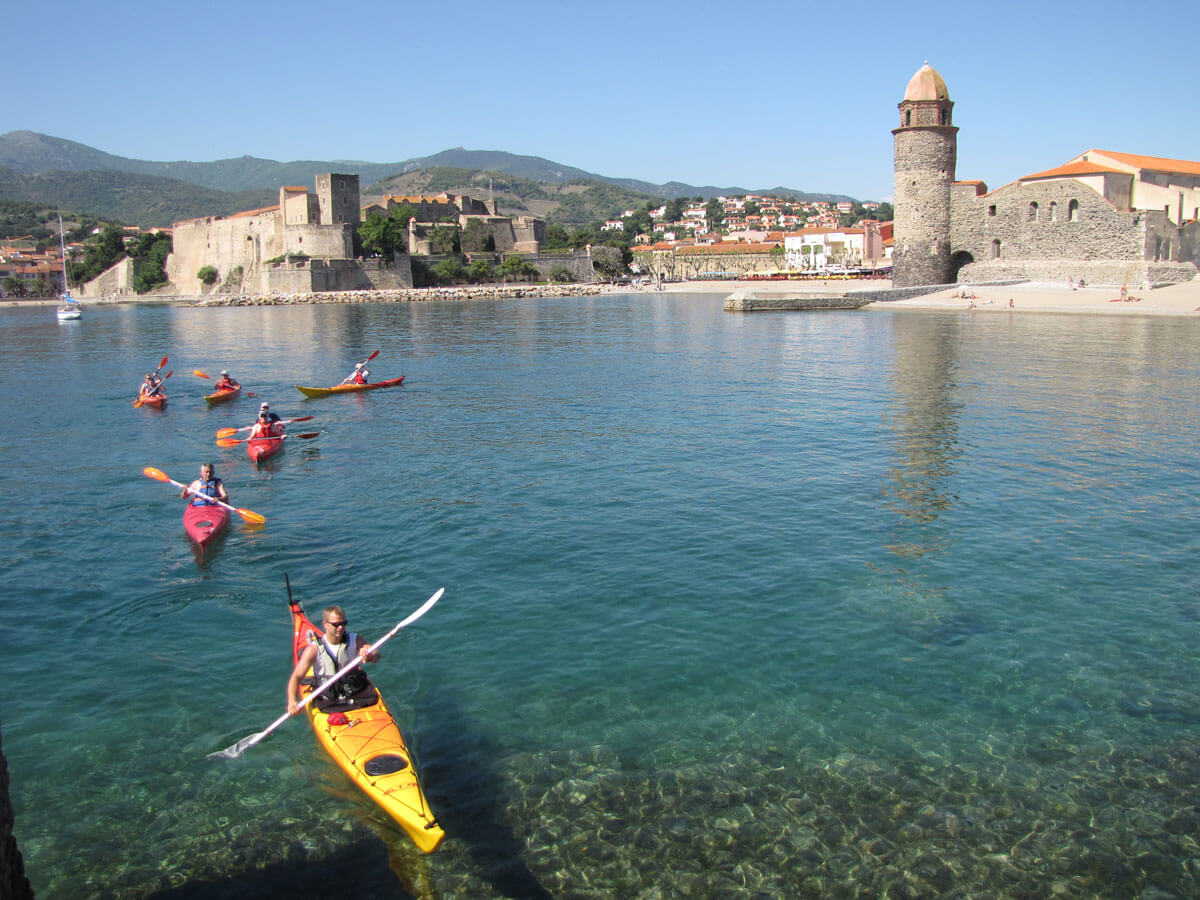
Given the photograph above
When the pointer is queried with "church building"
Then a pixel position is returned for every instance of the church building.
(1103, 217)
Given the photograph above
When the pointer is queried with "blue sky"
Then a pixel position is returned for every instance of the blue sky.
(709, 93)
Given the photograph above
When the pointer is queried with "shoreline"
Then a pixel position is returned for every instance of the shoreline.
(1181, 299)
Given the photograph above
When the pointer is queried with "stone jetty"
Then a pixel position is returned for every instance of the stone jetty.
(412, 295)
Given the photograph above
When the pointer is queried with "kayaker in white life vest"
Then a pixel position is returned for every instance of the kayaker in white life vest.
(207, 484)
(327, 656)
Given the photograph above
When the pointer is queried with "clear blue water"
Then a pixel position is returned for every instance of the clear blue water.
(826, 604)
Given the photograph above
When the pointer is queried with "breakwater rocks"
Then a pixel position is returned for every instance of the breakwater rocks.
(411, 295)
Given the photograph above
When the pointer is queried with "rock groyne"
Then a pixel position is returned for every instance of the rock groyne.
(411, 295)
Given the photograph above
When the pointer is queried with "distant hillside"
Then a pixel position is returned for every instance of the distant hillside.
(144, 200)
(576, 203)
(27, 152)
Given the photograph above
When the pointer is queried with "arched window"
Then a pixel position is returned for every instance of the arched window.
(1053, 211)
(908, 117)
(1033, 211)
(996, 249)
(1073, 211)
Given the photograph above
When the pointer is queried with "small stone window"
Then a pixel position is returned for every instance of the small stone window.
(996, 249)
(1033, 211)
(1073, 211)
(992, 210)
(908, 117)
(1053, 210)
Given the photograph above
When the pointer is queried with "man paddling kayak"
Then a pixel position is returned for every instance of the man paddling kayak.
(207, 484)
(328, 655)
(268, 424)
(225, 383)
(358, 376)
(151, 385)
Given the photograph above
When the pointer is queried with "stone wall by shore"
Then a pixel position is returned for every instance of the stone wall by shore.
(13, 883)
(411, 295)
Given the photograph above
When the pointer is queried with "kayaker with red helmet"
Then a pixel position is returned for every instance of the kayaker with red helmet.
(336, 647)
(209, 485)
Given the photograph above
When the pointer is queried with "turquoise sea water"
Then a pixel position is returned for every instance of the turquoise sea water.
(832, 604)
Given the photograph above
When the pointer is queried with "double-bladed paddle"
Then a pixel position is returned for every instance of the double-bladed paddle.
(141, 398)
(248, 514)
(230, 432)
(233, 442)
(199, 374)
(236, 750)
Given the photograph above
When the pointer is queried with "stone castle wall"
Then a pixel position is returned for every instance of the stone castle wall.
(1056, 231)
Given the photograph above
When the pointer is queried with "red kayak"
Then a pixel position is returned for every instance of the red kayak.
(262, 448)
(158, 401)
(203, 523)
(222, 396)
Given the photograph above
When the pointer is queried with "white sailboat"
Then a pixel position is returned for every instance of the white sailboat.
(70, 308)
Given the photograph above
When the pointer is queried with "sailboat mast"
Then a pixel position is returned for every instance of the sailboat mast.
(62, 249)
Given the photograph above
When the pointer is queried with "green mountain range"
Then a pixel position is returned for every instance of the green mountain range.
(63, 174)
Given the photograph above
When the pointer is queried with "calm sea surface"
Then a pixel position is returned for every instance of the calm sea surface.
(827, 604)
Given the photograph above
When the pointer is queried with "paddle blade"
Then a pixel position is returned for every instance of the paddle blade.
(251, 516)
(307, 434)
(235, 750)
(369, 358)
(200, 374)
(228, 442)
(300, 419)
(156, 474)
(161, 364)
(139, 401)
(228, 432)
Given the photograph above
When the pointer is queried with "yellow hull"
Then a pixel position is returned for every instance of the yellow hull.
(370, 749)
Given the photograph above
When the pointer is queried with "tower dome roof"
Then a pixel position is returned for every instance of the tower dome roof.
(927, 84)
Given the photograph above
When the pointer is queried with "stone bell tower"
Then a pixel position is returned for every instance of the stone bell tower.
(926, 150)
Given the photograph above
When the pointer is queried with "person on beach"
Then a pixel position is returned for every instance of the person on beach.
(268, 424)
(208, 485)
(358, 376)
(328, 655)
(225, 383)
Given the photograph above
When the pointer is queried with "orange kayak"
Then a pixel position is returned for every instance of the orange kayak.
(222, 396)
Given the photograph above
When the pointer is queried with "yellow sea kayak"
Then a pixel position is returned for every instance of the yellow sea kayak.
(368, 746)
(348, 388)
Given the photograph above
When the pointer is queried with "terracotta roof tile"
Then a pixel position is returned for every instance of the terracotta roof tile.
(1074, 169)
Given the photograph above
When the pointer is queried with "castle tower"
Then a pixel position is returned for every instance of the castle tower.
(337, 198)
(926, 149)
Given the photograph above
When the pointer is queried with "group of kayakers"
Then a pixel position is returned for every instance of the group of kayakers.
(208, 489)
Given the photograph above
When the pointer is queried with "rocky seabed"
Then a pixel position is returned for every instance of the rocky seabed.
(410, 295)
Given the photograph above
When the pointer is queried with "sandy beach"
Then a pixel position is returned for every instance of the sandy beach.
(1172, 300)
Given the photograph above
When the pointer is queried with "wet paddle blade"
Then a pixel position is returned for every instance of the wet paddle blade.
(228, 442)
(228, 432)
(156, 474)
(200, 374)
(235, 750)
(251, 516)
